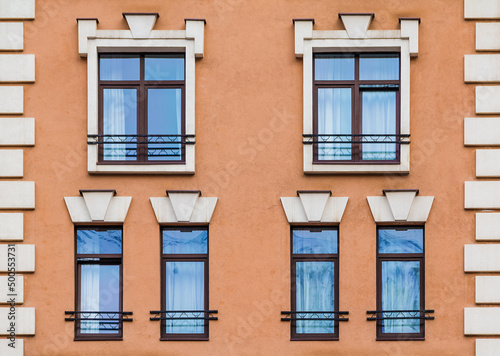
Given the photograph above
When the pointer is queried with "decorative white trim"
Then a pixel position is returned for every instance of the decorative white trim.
(5, 349)
(98, 206)
(487, 289)
(356, 25)
(91, 42)
(11, 100)
(487, 226)
(11, 36)
(17, 195)
(17, 68)
(308, 41)
(17, 9)
(400, 206)
(6, 292)
(314, 207)
(482, 258)
(488, 163)
(25, 321)
(481, 9)
(487, 36)
(11, 226)
(11, 163)
(488, 99)
(482, 321)
(480, 131)
(140, 25)
(24, 255)
(17, 131)
(482, 68)
(487, 347)
(183, 207)
(482, 195)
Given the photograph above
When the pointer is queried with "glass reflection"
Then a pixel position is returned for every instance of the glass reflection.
(179, 242)
(119, 67)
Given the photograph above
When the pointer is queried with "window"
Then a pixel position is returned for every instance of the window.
(400, 283)
(141, 108)
(356, 116)
(315, 279)
(98, 284)
(184, 283)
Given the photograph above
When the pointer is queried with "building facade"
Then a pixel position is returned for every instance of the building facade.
(249, 178)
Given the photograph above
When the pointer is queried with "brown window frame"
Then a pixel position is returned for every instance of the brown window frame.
(294, 258)
(420, 257)
(142, 87)
(104, 259)
(183, 258)
(356, 110)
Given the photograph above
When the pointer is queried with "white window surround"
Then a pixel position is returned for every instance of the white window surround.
(140, 38)
(356, 38)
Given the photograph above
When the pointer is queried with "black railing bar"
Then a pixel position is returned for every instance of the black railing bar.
(356, 135)
(349, 142)
(401, 318)
(183, 311)
(332, 319)
(141, 143)
(187, 318)
(110, 320)
(399, 311)
(315, 312)
(132, 135)
(98, 312)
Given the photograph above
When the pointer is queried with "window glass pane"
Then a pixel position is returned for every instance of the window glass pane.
(401, 291)
(119, 118)
(401, 241)
(99, 242)
(334, 123)
(334, 67)
(378, 67)
(120, 67)
(179, 242)
(379, 123)
(185, 291)
(305, 241)
(100, 291)
(164, 118)
(315, 288)
(164, 67)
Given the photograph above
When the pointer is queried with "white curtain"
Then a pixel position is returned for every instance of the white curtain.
(89, 295)
(185, 290)
(114, 121)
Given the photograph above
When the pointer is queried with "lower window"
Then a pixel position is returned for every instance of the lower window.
(98, 284)
(400, 283)
(314, 284)
(185, 283)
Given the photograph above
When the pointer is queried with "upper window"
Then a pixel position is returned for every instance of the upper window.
(356, 102)
(98, 313)
(141, 108)
(315, 292)
(400, 283)
(185, 311)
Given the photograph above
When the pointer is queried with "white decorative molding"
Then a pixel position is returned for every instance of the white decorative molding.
(24, 257)
(482, 68)
(308, 41)
(400, 206)
(7, 294)
(487, 163)
(487, 36)
(314, 207)
(92, 41)
(183, 207)
(11, 36)
(487, 289)
(6, 350)
(487, 226)
(17, 195)
(356, 25)
(98, 206)
(482, 195)
(24, 324)
(481, 9)
(17, 131)
(16, 68)
(482, 321)
(480, 131)
(11, 100)
(17, 9)
(487, 347)
(11, 226)
(140, 24)
(11, 163)
(482, 258)
(488, 99)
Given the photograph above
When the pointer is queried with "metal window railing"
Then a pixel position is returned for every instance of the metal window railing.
(400, 315)
(315, 315)
(107, 320)
(183, 315)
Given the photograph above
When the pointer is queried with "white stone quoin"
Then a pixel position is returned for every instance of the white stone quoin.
(487, 347)
(482, 321)
(481, 9)
(11, 163)
(17, 68)
(17, 9)
(482, 131)
(17, 131)
(24, 322)
(11, 291)
(17, 195)
(482, 195)
(11, 226)
(487, 226)
(482, 258)
(488, 99)
(24, 258)
(6, 350)
(11, 100)
(11, 36)
(487, 289)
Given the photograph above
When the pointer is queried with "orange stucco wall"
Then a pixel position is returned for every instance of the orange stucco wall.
(249, 154)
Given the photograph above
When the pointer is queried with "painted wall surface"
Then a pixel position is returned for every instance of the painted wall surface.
(249, 154)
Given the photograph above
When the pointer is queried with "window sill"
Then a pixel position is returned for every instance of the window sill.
(356, 168)
(170, 168)
(97, 338)
(184, 339)
(315, 339)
